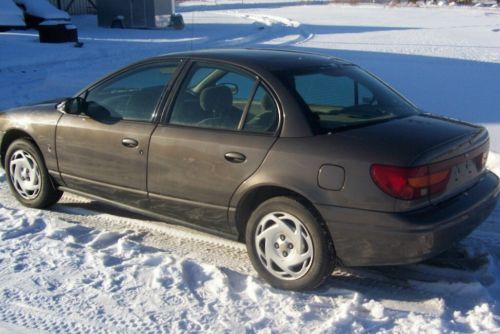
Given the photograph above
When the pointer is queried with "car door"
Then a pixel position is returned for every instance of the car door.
(221, 125)
(103, 149)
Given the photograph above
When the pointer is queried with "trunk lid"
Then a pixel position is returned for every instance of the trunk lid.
(465, 157)
(424, 139)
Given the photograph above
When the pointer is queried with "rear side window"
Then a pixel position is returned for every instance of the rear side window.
(262, 114)
(220, 97)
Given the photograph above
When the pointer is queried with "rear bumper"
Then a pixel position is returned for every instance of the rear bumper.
(366, 238)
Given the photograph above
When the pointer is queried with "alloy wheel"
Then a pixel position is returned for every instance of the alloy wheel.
(25, 174)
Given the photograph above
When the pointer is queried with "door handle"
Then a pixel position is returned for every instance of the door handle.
(235, 157)
(129, 142)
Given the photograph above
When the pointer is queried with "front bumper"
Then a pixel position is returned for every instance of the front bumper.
(368, 238)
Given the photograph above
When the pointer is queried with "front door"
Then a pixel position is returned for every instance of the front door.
(103, 150)
(222, 125)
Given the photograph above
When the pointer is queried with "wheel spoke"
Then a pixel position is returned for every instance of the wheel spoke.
(299, 238)
(285, 268)
(267, 233)
(299, 259)
(270, 255)
(284, 227)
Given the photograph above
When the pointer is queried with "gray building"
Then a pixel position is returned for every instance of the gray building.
(135, 13)
(125, 13)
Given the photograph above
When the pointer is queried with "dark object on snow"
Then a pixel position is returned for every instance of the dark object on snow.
(57, 32)
(458, 258)
(78, 45)
(177, 21)
(44, 11)
(32, 21)
(117, 22)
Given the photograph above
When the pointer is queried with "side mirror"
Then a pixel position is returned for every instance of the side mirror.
(73, 106)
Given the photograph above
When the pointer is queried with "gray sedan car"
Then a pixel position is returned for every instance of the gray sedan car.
(309, 159)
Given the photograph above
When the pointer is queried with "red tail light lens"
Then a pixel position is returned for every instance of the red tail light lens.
(410, 183)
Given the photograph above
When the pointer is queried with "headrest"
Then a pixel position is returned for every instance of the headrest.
(217, 98)
(267, 103)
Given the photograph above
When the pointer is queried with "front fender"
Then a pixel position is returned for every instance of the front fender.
(36, 122)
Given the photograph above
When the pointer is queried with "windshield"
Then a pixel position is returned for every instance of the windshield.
(344, 96)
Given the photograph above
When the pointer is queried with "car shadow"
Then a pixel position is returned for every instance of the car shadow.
(460, 88)
(450, 277)
(456, 277)
(463, 89)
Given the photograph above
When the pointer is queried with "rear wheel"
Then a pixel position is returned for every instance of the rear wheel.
(288, 245)
(28, 177)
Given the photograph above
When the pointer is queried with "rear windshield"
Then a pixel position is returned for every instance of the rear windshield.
(344, 96)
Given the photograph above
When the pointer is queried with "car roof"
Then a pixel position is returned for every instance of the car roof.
(268, 59)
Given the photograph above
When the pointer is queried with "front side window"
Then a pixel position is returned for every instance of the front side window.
(131, 96)
(338, 97)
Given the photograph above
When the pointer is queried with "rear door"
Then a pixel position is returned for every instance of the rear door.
(221, 125)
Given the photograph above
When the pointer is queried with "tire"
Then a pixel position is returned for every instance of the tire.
(285, 258)
(28, 177)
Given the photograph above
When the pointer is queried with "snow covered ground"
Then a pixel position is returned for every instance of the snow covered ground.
(84, 267)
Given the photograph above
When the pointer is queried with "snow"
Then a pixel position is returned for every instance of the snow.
(85, 267)
(10, 14)
(43, 9)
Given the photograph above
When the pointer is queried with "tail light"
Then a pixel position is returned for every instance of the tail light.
(411, 183)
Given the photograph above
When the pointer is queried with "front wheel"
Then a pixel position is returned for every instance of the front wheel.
(28, 177)
(288, 245)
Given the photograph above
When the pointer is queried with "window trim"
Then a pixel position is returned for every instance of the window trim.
(251, 97)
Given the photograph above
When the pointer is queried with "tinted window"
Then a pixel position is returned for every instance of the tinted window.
(324, 90)
(262, 114)
(212, 97)
(130, 96)
(338, 97)
(199, 75)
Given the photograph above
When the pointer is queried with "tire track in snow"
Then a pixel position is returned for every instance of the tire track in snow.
(276, 30)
